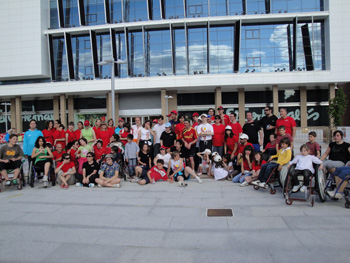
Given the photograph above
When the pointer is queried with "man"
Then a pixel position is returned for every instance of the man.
(136, 128)
(120, 126)
(189, 137)
(211, 113)
(236, 126)
(225, 119)
(205, 134)
(286, 121)
(9, 132)
(268, 124)
(253, 130)
(158, 128)
(10, 159)
(172, 119)
(29, 139)
(57, 154)
(243, 142)
(195, 117)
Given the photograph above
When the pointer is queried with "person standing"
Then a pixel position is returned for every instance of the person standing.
(48, 132)
(211, 113)
(88, 133)
(268, 124)
(225, 119)
(120, 126)
(159, 128)
(172, 119)
(29, 140)
(218, 137)
(195, 117)
(253, 130)
(286, 121)
(236, 126)
(206, 133)
(136, 128)
(189, 137)
(77, 132)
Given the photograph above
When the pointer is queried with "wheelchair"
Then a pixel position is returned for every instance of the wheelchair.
(274, 180)
(331, 185)
(36, 173)
(10, 175)
(316, 184)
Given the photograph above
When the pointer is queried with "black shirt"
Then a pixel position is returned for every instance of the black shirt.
(90, 168)
(252, 129)
(183, 152)
(271, 121)
(168, 138)
(144, 158)
(339, 152)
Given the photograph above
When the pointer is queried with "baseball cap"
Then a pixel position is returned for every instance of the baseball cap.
(220, 108)
(174, 111)
(86, 123)
(195, 114)
(244, 136)
(121, 119)
(155, 121)
(168, 124)
(162, 147)
(204, 115)
(109, 156)
(228, 127)
(206, 151)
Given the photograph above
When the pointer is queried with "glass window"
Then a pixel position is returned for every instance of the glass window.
(89, 103)
(236, 7)
(180, 51)
(197, 8)
(37, 105)
(94, 12)
(173, 9)
(197, 50)
(70, 13)
(221, 49)
(135, 10)
(317, 95)
(229, 97)
(218, 7)
(158, 53)
(258, 96)
(196, 99)
(104, 52)
(256, 6)
(53, 14)
(60, 59)
(136, 57)
(264, 48)
(82, 58)
(288, 95)
(115, 7)
(121, 53)
(317, 116)
(156, 9)
(284, 6)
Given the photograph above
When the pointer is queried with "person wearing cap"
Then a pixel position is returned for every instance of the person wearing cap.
(168, 137)
(172, 119)
(253, 130)
(136, 128)
(268, 123)
(158, 129)
(195, 117)
(88, 133)
(225, 119)
(218, 136)
(205, 134)
(163, 155)
(190, 138)
(119, 127)
(243, 142)
(231, 141)
(236, 126)
(108, 174)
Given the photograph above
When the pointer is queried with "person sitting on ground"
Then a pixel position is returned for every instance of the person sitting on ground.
(257, 163)
(219, 171)
(304, 167)
(246, 165)
(228, 165)
(57, 155)
(283, 134)
(339, 174)
(131, 154)
(314, 147)
(90, 172)
(203, 167)
(163, 155)
(72, 151)
(179, 146)
(144, 157)
(10, 159)
(153, 175)
(283, 156)
(108, 174)
(42, 157)
(65, 172)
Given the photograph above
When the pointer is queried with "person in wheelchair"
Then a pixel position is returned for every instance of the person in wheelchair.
(283, 156)
(304, 167)
(10, 159)
(340, 174)
(42, 157)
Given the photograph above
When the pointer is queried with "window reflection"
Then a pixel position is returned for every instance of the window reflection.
(121, 54)
(70, 13)
(218, 7)
(82, 59)
(136, 58)
(94, 12)
(173, 9)
(135, 10)
(156, 9)
(60, 59)
(115, 7)
(197, 50)
(104, 52)
(284, 6)
(256, 7)
(236, 7)
(197, 8)
(179, 40)
(53, 14)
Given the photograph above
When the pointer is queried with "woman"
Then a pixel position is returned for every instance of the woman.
(90, 169)
(43, 158)
(99, 151)
(111, 128)
(88, 133)
(144, 136)
(65, 171)
(104, 134)
(109, 173)
(82, 152)
(73, 150)
(125, 132)
(48, 132)
(218, 137)
(163, 155)
(70, 135)
(59, 136)
(144, 157)
(77, 132)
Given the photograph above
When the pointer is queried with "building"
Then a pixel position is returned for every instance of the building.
(242, 54)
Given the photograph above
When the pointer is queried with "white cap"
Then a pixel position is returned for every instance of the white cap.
(217, 158)
(228, 127)
(203, 115)
(244, 136)
(206, 151)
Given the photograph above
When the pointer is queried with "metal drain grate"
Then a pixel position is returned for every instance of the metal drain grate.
(219, 212)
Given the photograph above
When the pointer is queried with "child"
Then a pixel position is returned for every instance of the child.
(246, 165)
(228, 165)
(124, 133)
(270, 148)
(99, 150)
(283, 157)
(257, 163)
(131, 154)
(205, 157)
(163, 155)
(304, 167)
(219, 171)
(314, 147)
(153, 175)
(283, 134)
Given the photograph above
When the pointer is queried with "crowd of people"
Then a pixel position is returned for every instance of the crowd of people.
(174, 151)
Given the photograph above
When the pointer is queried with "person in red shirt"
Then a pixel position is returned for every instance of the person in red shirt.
(72, 151)
(48, 132)
(287, 122)
(246, 163)
(236, 126)
(65, 171)
(218, 137)
(99, 150)
(231, 142)
(78, 131)
(111, 127)
(179, 127)
(59, 135)
(257, 163)
(153, 175)
(225, 119)
(195, 117)
(97, 127)
(124, 133)
(57, 155)
(104, 134)
(70, 135)
(243, 142)
(189, 137)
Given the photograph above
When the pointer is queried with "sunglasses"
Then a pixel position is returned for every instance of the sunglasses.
(88, 156)
(162, 149)
(266, 109)
(67, 158)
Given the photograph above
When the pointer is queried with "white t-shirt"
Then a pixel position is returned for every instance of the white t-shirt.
(205, 128)
(136, 131)
(166, 158)
(145, 134)
(158, 129)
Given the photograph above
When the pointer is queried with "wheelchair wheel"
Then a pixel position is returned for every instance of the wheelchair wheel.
(256, 187)
(287, 186)
(347, 205)
(289, 202)
(273, 191)
(320, 185)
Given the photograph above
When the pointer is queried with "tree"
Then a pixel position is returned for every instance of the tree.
(337, 107)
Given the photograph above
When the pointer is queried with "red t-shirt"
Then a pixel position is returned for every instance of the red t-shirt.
(60, 135)
(189, 135)
(111, 131)
(257, 167)
(178, 130)
(72, 155)
(219, 133)
(66, 167)
(57, 155)
(97, 130)
(104, 136)
(77, 134)
(158, 174)
(236, 129)
(195, 124)
(71, 136)
(269, 145)
(288, 122)
(313, 148)
(246, 165)
(48, 135)
(280, 137)
(226, 119)
(99, 152)
(241, 147)
(230, 143)
(124, 135)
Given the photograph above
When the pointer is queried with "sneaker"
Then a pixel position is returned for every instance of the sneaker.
(117, 185)
(14, 182)
(199, 180)
(8, 183)
(303, 189)
(180, 183)
(46, 184)
(62, 186)
(99, 185)
(66, 187)
(135, 180)
(244, 184)
(91, 185)
(330, 193)
(78, 184)
(199, 174)
(262, 185)
(338, 196)
(297, 187)
(45, 178)
(257, 182)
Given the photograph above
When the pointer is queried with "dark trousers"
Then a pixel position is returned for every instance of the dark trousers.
(205, 145)
(266, 170)
(156, 148)
(305, 173)
(92, 178)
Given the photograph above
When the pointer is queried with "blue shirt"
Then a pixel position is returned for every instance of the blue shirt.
(29, 141)
(118, 129)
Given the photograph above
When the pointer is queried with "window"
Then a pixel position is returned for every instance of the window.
(218, 7)
(121, 54)
(173, 9)
(82, 59)
(60, 59)
(252, 34)
(180, 51)
(254, 62)
(197, 50)
(70, 13)
(53, 14)
(156, 9)
(136, 56)
(104, 52)
(197, 8)
(94, 12)
(236, 7)
(256, 7)
(290, 6)
(115, 7)
(135, 10)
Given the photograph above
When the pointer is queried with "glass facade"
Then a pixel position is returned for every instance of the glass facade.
(94, 12)
(180, 51)
(155, 10)
(218, 8)
(136, 58)
(257, 7)
(291, 6)
(197, 50)
(237, 7)
(104, 51)
(82, 58)
(135, 10)
(53, 15)
(173, 9)
(70, 13)
(121, 54)
(60, 59)
(115, 7)
(197, 8)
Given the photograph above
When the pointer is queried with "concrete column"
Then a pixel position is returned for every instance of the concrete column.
(303, 107)
(109, 105)
(63, 111)
(241, 106)
(331, 96)
(56, 108)
(18, 107)
(172, 103)
(13, 113)
(116, 104)
(163, 103)
(70, 109)
(218, 98)
(275, 99)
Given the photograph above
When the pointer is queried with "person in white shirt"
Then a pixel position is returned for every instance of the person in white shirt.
(205, 133)
(136, 128)
(163, 155)
(158, 129)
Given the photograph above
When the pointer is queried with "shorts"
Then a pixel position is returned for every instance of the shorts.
(40, 165)
(204, 167)
(329, 164)
(10, 165)
(181, 173)
(144, 176)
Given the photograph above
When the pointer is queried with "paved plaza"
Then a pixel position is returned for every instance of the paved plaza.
(167, 223)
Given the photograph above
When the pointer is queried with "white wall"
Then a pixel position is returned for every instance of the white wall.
(23, 46)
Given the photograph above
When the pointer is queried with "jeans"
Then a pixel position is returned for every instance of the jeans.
(342, 172)
(266, 170)
(256, 147)
(131, 166)
(239, 178)
(219, 149)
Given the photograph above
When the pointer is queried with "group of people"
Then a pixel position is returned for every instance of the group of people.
(216, 145)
